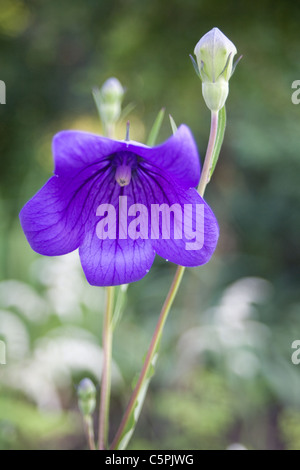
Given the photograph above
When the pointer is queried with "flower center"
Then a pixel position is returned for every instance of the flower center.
(123, 174)
(124, 162)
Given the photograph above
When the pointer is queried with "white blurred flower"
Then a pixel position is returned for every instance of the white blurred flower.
(15, 335)
(66, 287)
(55, 358)
(230, 329)
(21, 296)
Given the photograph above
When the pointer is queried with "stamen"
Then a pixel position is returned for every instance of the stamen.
(123, 175)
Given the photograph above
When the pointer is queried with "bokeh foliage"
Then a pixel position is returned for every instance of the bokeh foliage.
(225, 372)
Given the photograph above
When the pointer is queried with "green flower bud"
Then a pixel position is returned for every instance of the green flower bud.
(109, 100)
(110, 112)
(112, 91)
(215, 94)
(86, 393)
(214, 53)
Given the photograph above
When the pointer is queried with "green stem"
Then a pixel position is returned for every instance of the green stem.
(109, 130)
(205, 175)
(106, 369)
(88, 421)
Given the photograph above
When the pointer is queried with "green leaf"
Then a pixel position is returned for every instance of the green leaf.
(195, 65)
(219, 139)
(235, 64)
(121, 295)
(98, 99)
(136, 411)
(128, 431)
(173, 124)
(127, 110)
(156, 128)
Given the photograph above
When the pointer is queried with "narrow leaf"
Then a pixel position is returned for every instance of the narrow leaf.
(97, 98)
(195, 65)
(135, 414)
(235, 64)
(219, 139)
(156, 128)
(119, 304)
(127, 110)
(127, 433)
(173, 124)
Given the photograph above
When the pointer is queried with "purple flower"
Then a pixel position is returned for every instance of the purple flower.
(120, 203)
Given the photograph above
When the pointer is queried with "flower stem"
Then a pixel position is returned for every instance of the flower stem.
(132, 405)
(109, 130)
(89, 428)
(205, 175)
(106, 369)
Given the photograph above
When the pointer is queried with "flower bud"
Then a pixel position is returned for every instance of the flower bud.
(108, 100)
(112, 91)
(214, 53)
(215, 94)
(86, 393)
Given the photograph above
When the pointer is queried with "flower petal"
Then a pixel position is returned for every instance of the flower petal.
(46, 224)
(113, 262)
(56, 218)
(119, 261)
(75, 150)
(178, 156)
(108, 262)
(192, 235)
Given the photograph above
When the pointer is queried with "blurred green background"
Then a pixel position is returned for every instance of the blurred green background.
(225, 375)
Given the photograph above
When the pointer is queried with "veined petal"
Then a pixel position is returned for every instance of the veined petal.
(56, 218)
(117, 259)
(48, 225)
(114, 262)
(178, 156)
(186, 229)
(75, 150)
